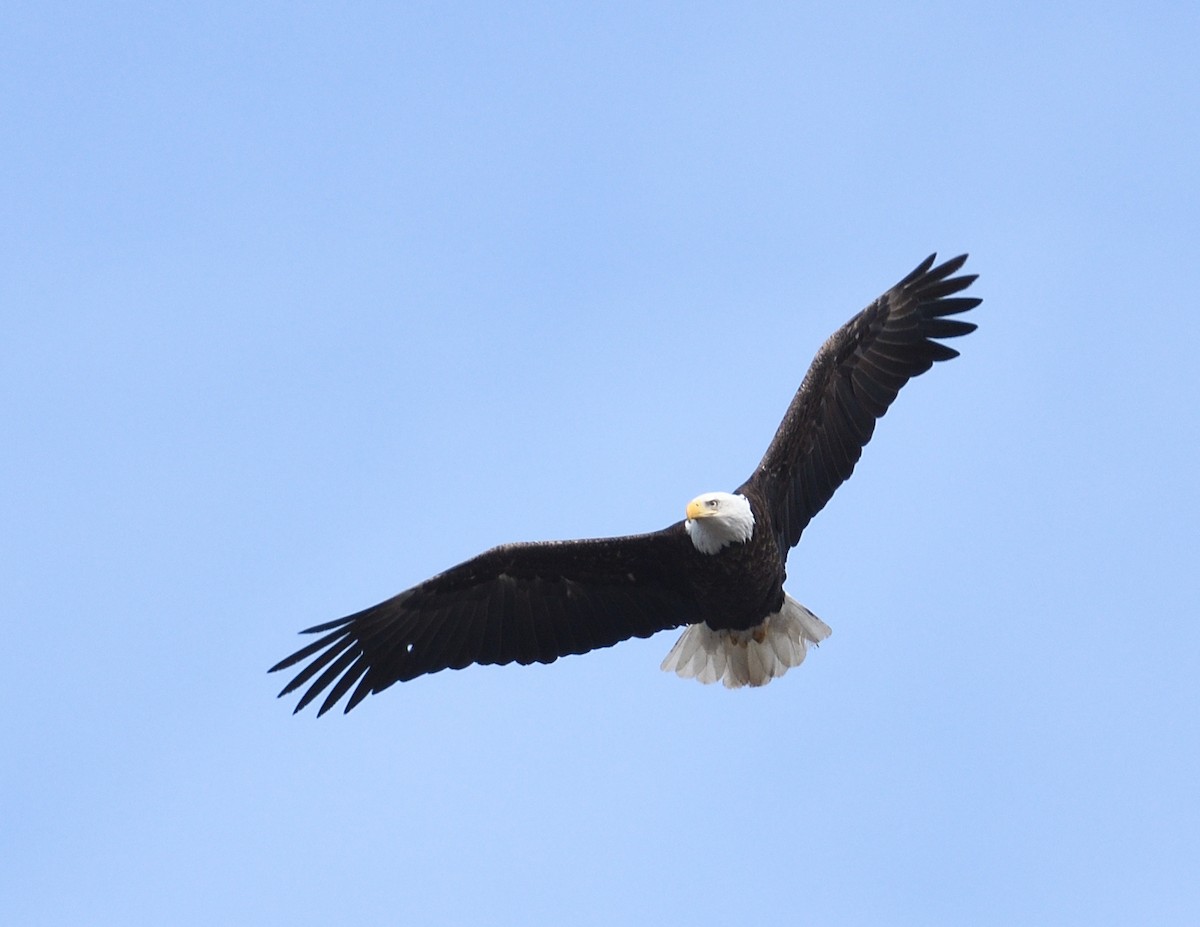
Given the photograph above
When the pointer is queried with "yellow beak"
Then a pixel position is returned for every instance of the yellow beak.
(696, 510)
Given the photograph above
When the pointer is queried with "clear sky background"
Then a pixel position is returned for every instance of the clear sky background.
(303, 303)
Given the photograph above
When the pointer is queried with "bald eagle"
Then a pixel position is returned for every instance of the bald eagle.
(719, 573)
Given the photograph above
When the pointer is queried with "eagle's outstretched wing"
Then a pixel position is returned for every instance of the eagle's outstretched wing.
(523, 603)
(852, 381)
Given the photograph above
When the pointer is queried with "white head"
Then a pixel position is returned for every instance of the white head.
(716, 519)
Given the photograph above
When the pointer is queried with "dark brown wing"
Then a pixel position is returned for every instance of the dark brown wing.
(524, 603)
(852, 381)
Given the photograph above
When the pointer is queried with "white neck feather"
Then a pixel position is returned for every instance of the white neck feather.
(731, 522)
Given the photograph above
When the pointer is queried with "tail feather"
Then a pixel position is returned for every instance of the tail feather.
(753, 657)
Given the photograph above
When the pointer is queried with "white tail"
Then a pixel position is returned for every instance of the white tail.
(753, 657)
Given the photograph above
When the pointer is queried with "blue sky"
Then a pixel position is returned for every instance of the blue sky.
(304, 302)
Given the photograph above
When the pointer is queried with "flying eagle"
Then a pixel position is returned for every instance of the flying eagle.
(719, 572)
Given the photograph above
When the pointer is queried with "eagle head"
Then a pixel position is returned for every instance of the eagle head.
(717, 519)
